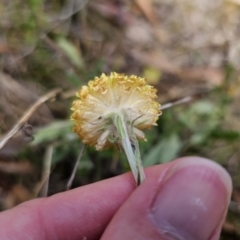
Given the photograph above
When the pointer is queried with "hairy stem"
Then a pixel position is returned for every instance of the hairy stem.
(131, 148)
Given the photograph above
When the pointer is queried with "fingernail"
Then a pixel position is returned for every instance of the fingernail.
(192, 200)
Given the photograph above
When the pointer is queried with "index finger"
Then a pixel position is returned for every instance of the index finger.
(82, 213)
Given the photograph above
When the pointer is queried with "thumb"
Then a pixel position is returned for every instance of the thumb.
(186, 199)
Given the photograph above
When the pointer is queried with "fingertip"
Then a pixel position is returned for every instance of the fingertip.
(174, 201)
(200, 162)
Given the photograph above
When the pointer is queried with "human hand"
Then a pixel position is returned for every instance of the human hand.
(184, 199)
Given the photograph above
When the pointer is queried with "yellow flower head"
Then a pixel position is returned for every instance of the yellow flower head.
(109, 96)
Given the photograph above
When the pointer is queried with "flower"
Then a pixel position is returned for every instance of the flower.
(115, 109)
(109, 98)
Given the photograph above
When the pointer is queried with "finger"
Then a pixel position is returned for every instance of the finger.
(81, 213)
(187, 200)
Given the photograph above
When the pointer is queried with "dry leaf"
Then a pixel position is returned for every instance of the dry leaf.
(147, 8)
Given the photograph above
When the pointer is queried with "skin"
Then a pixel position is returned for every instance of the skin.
(184, 199)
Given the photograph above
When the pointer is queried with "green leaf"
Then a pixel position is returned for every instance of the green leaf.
(228, 135)
(165, 151)
(203, 107)
(71, 51)
(199, 137)
(53, 131)
(73, 79)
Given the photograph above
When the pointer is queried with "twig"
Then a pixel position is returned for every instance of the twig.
(172, 104)
(69, 184)
(28, 114)
(46, 171)
(68, 94)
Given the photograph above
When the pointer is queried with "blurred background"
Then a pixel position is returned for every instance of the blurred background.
(183, 48)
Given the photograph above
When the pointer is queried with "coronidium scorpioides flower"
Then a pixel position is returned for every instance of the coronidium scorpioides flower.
(115, 109)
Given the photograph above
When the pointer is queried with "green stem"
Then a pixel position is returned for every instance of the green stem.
(138, 158)
(133, 155)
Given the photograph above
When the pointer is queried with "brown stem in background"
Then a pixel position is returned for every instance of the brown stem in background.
(69, 184)
(46, 171)
(27, 115)
(172, 104)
